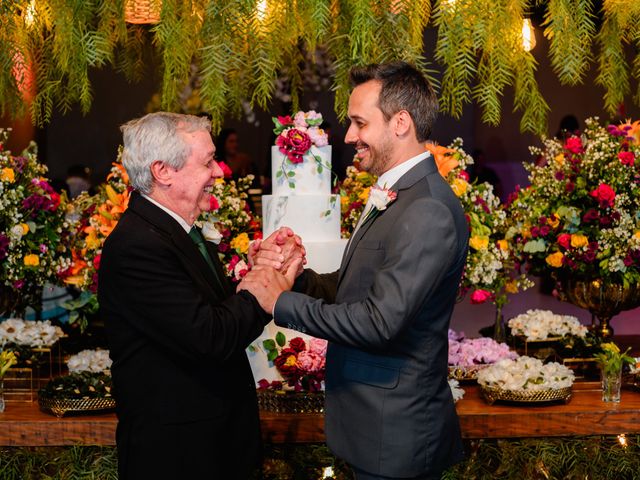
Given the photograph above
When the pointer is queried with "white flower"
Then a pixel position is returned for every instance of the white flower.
(381, 197)
(526, 373)
(237, 270)
(211, 233)
(29, 333)
(456, 391)
(542, 324)
(90, 361)
(16, 232)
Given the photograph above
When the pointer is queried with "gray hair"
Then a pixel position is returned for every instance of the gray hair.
(156, 137)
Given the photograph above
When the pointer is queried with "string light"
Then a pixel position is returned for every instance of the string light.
(327, 473)
(622, 440)
(261, 10)
(528, 35)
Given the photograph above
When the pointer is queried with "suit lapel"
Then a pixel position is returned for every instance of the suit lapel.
(419, 171)
(195, 263)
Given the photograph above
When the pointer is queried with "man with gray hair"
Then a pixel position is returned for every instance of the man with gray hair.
(177, 333)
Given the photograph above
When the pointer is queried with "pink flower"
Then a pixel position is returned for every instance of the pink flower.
(310, 362)
(300, 120)
(626, 158)
(604, 194)
(213, 203)
(318, 136)
(318, 346)
(564, 240)
(480, 296)
(574, 145)
(294, 144)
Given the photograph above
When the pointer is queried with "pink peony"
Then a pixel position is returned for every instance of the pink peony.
(604, 194)
(318, 346)
(480, 296)
(318, 136)
(294, 144)
(300, 120)
(310, 362)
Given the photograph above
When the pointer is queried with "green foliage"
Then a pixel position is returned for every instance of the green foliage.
(238, 52)
(82, 309)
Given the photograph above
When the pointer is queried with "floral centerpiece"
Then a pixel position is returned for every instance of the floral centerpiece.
(579, 218)
(354, 192)
(301, 364)
(23, 336)
(230, 223)
(94, 361)
(542, 324)
(526, 379)
(32, 233)
(467, 352)
(296, 137)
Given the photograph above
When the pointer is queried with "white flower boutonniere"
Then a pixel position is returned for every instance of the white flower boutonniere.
(379, 198)
(211, 233)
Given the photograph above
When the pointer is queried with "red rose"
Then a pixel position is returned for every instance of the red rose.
(96, 262)
(574, 145)
(564, 240)
(604, 194)
(626, 158)
(297, 344)
(480, 296)
(294, 144)
(213, 203)
(226, 171)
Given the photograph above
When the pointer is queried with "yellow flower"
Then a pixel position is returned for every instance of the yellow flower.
(459, 186)
(559, 158)
(7, 175)
(553, 220)
(31, 260)
(92, 241)
(479, 242)
(290, 361)
(637, 234)
(344, 201)
(219, 181)
(555, 259)
(364, 194)
(511, 286)
(578, 240)
(25, 228)
(241, 243)
(503, 244)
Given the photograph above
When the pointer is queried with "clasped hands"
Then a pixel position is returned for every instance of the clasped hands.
(275, 264)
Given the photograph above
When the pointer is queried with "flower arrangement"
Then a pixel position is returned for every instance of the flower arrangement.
(526, 374)
(542, 324)
(15, 331)
(490, 269)
(80, 385)
(32, 233)
(95, 361)
(296, 136)
(301, 364)
(354, 192)
(579, 218)
(611, 358)
(230, 223)
(468, 352)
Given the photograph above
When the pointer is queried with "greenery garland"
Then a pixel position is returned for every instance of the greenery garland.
(239, 48)
(593, 457)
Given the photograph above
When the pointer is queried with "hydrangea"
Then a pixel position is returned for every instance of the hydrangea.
(94, 361)
(542, 324)
(466, 352)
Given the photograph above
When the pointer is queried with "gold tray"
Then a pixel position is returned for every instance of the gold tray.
(492, 395)
(280, 401)
(61, 406)
(461, 373)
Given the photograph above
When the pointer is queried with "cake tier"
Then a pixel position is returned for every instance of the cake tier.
(311, 177)
(316, 218)
(323, 257)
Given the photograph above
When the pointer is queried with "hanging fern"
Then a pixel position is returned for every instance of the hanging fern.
(238, 53)
(570, 27)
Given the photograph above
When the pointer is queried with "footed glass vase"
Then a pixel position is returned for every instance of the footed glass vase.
(602, 298)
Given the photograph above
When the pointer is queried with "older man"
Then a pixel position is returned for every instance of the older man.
(177, 333)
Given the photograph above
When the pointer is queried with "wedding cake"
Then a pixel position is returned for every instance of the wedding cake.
(301, 200)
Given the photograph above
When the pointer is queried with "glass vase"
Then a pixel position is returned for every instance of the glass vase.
(611, 383)
(499, 328)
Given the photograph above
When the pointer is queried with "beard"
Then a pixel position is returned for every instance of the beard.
(379, 157)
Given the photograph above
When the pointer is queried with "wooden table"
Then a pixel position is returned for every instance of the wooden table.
(22, 424)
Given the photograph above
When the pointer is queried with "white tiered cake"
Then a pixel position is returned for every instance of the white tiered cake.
(301, 200)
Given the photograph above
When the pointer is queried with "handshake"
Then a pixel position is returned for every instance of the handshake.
(275, 264)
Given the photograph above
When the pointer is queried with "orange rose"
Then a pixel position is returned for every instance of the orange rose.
(445, 160)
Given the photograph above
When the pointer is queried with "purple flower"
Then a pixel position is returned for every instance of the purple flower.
(43, 248)
(18, 284)
(559, 175)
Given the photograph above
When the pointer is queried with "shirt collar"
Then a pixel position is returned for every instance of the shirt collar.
(390, 177)
(174, 215)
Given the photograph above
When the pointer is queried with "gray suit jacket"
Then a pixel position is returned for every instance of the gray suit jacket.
(389, 409)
